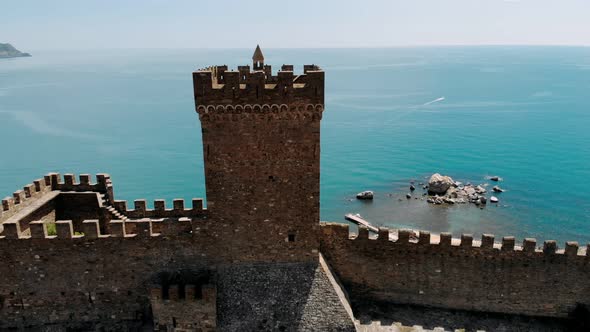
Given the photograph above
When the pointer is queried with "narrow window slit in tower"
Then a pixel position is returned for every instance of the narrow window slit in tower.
(291, 237)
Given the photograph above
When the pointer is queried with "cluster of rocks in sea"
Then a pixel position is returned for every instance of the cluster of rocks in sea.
(444, 190)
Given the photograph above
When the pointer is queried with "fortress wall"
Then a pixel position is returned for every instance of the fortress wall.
(160, 210)
(103, 183)
(24, 198)
(84, 281)
(459, 274)
(72, 282)
(54, 197)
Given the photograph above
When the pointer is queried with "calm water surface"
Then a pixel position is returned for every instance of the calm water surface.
(392, 115)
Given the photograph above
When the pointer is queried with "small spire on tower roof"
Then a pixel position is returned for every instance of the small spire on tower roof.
(258, 54)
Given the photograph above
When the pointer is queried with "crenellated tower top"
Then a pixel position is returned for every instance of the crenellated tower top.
(218, 85)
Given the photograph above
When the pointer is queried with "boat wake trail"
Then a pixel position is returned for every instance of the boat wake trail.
(434, 101)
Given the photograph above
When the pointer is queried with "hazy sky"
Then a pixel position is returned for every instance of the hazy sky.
(57, 24)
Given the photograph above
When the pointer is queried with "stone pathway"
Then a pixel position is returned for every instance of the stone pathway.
(376, 326)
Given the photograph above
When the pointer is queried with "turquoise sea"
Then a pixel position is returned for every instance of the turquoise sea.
(392, 115)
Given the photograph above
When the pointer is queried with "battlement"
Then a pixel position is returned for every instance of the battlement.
(160, 210)
(438, 270)
(217, 85)
(190, 307)
(446, 244)
(51, 182)
(206, 293)
(139, 228)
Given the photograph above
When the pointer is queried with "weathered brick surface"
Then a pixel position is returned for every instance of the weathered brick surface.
(187, 307)
(107, 282)
(279, 297)
(454, 276)
(261, 145)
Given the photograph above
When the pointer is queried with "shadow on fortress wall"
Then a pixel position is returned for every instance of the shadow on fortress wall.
(429, 318)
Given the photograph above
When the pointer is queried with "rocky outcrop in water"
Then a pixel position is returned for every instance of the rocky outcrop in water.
(443, 190)
(438, 184)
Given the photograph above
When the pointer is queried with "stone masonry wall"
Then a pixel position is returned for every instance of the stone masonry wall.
(95, 281)
(261, 145)
(459, 274)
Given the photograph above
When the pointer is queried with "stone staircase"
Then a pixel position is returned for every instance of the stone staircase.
(115, 214)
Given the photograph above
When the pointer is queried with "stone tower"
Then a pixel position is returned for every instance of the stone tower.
(261, 147)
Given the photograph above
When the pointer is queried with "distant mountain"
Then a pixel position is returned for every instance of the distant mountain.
(8, 51)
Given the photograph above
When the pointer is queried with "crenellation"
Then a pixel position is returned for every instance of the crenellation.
(529, 245)
(47, 180)
(339, 232)
(140, 207)
(424, 238)
(69, 179)
(12, 230)
(363, 233)
(219, 86)
(197, 204)
(508, 243)
(19, 196)
(40, 184)
(143, 228)
(64, 229)
(85, 179)
(571, 249)
(101, 178)
(466, 241)
(487, 241)
(178, 205)
(160, 205)
(29, 190)
(501, 266)
(160, 210)
(403, 236)
(287, 68)
(38, 229)
(117, 228)
(120, 205)
(550, 247)
(445, 239)
(55, 180)
(91, 229)
(7, 203)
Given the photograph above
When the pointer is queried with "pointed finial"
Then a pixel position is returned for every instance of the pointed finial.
(258, 54)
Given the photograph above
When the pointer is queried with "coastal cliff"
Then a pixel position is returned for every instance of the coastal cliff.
(8, 51)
